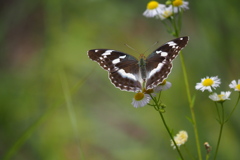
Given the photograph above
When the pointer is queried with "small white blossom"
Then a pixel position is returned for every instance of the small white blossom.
(180, 139)
(235, 85)
(153, 9)
(220, 97)
(140, 100)
(208, 83)
(180, 4)
(163, 86)
(165, 13)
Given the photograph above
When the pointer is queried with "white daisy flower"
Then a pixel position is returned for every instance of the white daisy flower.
(180, 139)
(180, 4)
(165, 13)
(208, 83)
(140, 99)
(153, 9)
(163, 86)
(220, 97)
(235, 85)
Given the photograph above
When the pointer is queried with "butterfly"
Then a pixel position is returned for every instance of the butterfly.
(130, 74)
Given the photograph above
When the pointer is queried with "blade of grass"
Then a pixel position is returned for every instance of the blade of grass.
(39, 121)
(71, 113)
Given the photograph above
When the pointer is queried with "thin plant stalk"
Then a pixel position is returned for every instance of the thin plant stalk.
(71, 112)
(191, 106)
(15, 147)
(221, 121)
(190, 99)
(234, 107)
(207, 157)
(157, 107)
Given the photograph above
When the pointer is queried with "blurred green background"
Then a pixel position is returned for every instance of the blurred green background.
(56, 104)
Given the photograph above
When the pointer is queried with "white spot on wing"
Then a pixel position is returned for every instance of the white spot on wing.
(108, 52)
(171, 43)
(96, 50)
(155, 70)
(115, 61)
(122, 57)
(126, 75)
(164, 54)
(158, 52)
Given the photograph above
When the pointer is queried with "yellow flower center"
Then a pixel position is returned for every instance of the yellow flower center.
(207, 82)
(181, 137)
(163, 82)
(139, 96)
(177, 3)
(238, 87)
(152, 5)
(220, 96)
(167, 14)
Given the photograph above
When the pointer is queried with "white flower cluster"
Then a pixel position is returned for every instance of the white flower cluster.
(210, 83)
(162, 11)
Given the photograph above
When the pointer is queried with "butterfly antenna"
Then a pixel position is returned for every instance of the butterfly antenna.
(151, 46)
(131, 48)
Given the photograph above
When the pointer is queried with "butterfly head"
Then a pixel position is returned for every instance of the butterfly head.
(142, 56)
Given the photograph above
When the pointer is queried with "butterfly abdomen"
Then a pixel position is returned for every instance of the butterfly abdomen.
(142, 69)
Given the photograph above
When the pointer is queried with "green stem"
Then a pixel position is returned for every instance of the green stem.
(180, 19)
(222, 121)
(173, 21)
(191, 104)
(169, 29)
(177, 29)
(217, 112)
(234, 107)
(165, 125)
(185, 78)
(207, 156)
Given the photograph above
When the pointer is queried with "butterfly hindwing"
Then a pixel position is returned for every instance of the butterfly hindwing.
(159, 63)
(129, 74)
(123, 68)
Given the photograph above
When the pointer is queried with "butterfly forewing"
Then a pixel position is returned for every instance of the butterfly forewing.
(105, 58)
(159, 63)
(128, 74)
(123, 68)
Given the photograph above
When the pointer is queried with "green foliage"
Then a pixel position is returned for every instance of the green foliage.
(44, 41)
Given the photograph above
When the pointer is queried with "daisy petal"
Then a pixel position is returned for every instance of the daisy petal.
(140, 100)
(208, 83)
